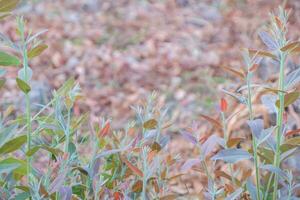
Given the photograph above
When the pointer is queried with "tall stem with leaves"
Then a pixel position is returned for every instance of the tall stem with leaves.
(279, 119)
(250, 64)
(26, 79)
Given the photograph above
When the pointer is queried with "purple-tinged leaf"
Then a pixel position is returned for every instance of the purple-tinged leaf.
(270, 102)
(210, 144)
(275, 170)
(65, 193)
(268, 40)
(189, 137)
(57, 182)
(265, 134)
(256, 127)
(190, 163)
(232, 155)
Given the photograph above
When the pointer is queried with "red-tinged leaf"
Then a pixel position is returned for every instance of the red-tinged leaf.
(105, 130)
(289, 98)
(279, 23)
(254, 67)
(133, 168)
(150, 124)
(246, 174)
(234, 141)
(223, 105)
(296, 50)
(118, 196)
(137, 186)
(151, 155)
(211, 120)
(229, 188)
(292, 132)
(290, 46)
(253, 52)
(235, 72)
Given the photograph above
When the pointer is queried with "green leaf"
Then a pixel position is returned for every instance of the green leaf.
(66, 87)
(289, 98)
(23, 85)
(8, 5)
(36, 51)
(52, 150)
(13, 144)
(8, 60)
(18, 172)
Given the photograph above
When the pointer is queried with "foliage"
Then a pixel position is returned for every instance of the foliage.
(134, 162)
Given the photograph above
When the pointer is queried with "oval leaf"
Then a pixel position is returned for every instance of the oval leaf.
(23, 85)
(8, 60)
(13, 144)
(150, 124)
(36, 51)
(232, 155)
(289, 98)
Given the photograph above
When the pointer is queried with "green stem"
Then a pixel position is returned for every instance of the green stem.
(68, 131)
(28, 110)
(254, 143)
(268, 187)
(279, 120)
(226, 140)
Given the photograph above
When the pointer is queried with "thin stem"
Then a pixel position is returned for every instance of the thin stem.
(28, 108)
(254, 143)
(226, 140)
(68, 131)
(279, 120)
(268, 187)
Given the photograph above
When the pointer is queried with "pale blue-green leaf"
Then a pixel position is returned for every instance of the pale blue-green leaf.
(292, 79)
(241, 99)
(21, 73)
(232, 155)
(188, 137)
(2, 72)
(210, 144)
(275, 170)
(7, 168)
(268, 40)
(13, 145)
(256, 127)
(7, 133)
(265, 134)
(65, 193)
(251, 189)
(269, 101)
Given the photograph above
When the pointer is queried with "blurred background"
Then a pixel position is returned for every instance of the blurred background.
(122, 50)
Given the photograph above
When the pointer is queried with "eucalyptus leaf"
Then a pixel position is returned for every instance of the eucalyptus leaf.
(21, 73)
(256, 127)
(23, 85)
(36, 51)
(13, 145)
(7, 168)
(235, 195)
(268, 40)
(8, 60)
(232, 155)
(292, 79)
(275, 170)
